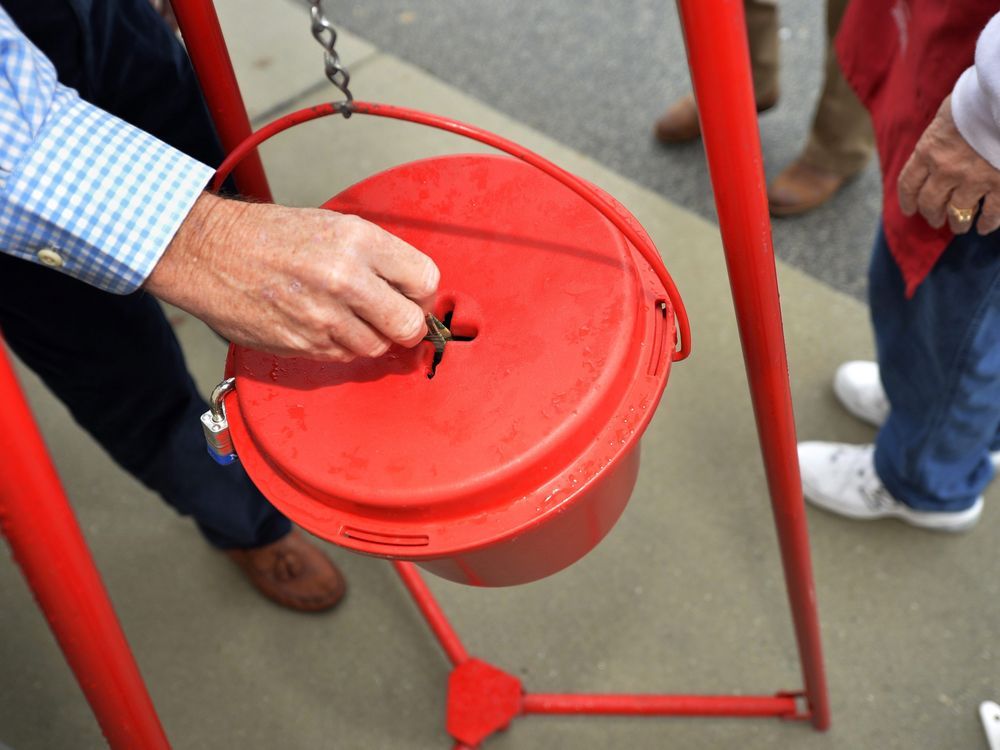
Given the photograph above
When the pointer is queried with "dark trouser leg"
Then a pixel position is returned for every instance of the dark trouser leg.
(939, 355)
(114, 361)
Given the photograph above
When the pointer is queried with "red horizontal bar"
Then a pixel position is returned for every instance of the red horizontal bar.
(784, 706)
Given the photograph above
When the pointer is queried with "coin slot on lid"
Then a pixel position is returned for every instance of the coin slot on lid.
(461, 331)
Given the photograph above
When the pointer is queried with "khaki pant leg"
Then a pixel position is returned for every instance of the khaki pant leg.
(762, 34)
(841, 139)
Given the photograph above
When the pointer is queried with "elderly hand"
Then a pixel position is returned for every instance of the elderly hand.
(296, 281)
(945, 179)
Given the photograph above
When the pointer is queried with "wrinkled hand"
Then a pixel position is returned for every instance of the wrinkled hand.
(296, 281)
(945, 169)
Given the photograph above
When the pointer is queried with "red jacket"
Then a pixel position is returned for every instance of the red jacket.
(903, 57)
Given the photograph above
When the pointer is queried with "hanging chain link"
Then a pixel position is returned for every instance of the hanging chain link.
(324, 33)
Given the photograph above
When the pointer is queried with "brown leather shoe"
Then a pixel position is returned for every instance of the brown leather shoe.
(292, 572)
(679, 124)
(802, 187)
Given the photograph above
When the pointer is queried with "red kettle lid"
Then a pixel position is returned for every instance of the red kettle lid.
(568, 337)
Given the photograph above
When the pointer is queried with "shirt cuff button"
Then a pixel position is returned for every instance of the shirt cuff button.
(49, 257)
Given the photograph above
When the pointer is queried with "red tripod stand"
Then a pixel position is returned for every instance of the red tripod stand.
(46, 541)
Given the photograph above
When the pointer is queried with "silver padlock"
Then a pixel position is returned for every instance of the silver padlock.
(216, 426)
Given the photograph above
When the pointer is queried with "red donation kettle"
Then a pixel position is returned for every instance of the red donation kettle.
(512, 456)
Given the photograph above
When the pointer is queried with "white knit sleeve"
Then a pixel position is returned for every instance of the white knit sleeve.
(975, 100)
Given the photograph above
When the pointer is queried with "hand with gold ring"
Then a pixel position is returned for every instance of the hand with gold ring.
(945, 179)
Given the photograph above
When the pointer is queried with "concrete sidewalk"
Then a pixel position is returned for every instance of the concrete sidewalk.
(685, 595)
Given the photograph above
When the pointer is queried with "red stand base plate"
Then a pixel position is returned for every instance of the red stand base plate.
(483, 699)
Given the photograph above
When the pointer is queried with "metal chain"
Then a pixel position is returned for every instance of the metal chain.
(324, 33)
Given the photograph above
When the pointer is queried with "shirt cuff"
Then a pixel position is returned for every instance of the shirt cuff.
(97, 198)
(970, 108)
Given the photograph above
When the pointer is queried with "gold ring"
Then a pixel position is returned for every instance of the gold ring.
(961, 215)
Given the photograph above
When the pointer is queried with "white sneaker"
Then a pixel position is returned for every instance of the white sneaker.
(859, 389)
(841, 478)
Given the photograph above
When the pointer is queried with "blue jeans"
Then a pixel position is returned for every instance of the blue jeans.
(114, 360)
(939, 355)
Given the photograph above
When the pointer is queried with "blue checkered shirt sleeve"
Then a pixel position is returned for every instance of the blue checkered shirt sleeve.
(80, 190)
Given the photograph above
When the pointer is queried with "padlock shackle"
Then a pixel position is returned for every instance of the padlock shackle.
(216, 403)
(601, 202)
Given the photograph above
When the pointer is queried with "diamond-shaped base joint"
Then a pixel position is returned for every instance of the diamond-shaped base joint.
(481, 700)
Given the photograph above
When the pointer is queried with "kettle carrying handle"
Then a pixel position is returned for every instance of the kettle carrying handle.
(601, 202)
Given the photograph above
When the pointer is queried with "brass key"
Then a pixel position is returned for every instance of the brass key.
(438, 334)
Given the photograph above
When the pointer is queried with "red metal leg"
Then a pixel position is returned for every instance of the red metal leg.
(206, 46)
(432, 612)
(46, 542)
(715, 31)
